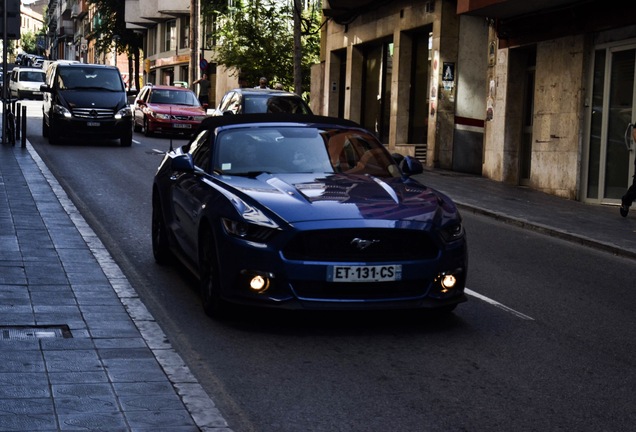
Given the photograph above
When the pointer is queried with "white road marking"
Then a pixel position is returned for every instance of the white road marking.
(497, 304)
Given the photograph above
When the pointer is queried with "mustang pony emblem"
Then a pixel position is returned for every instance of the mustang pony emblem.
(362, 244)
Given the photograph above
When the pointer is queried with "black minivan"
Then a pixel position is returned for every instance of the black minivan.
(85, 100)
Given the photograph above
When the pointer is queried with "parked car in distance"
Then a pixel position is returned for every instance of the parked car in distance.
(19, 58)
(32, 60)
(256, 101)
(85, 100)
(305, 212)
(167, 109)
(25, 82)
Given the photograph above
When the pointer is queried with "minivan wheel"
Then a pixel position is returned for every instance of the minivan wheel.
(54, 136)
(45, 128)
(126, 140)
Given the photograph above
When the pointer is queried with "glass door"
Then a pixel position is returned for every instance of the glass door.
(611, 146)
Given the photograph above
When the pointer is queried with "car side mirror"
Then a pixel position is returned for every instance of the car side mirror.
(183, 163)
(411, 166)
(45, 88)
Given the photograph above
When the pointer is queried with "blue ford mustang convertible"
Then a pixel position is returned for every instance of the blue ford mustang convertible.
(305, 212)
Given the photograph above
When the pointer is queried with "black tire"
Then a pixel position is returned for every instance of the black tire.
(126, 140)
(54, 135)
(213, 305)
(146, 130)
(45, 128)
(160, 245)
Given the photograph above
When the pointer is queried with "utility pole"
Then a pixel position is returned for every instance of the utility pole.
(10, 30)
(195, 10)
(298, 76)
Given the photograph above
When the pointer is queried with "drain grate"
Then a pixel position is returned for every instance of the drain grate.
(34, 332)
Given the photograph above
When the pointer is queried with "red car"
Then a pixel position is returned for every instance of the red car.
(167, 109)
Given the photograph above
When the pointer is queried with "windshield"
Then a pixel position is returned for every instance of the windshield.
(90, 78)
(174, 97)
(283, 149)
(274, 104)
(31, 76)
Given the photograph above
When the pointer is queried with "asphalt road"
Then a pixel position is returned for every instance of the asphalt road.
(545, 342)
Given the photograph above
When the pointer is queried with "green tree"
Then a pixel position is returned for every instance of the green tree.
(255, 37)
(28, 42)
(109, 25)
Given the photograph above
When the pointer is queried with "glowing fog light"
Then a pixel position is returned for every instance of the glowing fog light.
(448, 281)
(259, 283)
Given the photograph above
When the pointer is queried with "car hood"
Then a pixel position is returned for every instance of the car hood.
(31, 85)
(180, 110)
(308, 197)
(94, 99)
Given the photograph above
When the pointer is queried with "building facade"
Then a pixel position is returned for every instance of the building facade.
(530, 93)
(31, 21)
(412, 72)
(174, 51)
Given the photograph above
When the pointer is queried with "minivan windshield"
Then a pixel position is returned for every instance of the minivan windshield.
(33, 76)
(74, 78)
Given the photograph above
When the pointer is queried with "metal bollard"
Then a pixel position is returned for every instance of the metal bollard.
(24, 119)
(17, 121)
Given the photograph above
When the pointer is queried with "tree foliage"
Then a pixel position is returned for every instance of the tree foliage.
(110, 26)
(255, 38)
(28, 42)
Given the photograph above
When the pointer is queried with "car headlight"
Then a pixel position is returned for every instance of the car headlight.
(60, 110)
(124, 112)
(199, 118)
(453, 232)
(160, 116)
(247, 231)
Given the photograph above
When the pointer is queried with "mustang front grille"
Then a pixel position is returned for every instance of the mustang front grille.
(367, 245)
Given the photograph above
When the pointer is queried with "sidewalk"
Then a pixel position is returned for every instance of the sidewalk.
(78, 349)
(598, 226)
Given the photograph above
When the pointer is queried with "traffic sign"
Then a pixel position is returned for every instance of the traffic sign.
(203, 64)
(13, 18)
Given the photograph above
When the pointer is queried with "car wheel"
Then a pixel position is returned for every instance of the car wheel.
(213, 305)
(126, 140)
(54, 136)
(45, 128)
(146, 128)
(160, 246)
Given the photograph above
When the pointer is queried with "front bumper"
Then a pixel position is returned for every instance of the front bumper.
(304, 284)
(103, 128)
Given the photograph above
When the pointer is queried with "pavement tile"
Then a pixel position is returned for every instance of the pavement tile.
(22, 385)
(72, 361)
(146, 419)
(28, 422)
(78, 377)
(31, 405)
(21, 361)
(94, 421)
